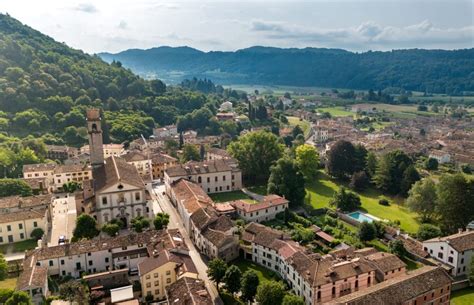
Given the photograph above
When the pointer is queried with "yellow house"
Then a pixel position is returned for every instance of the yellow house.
(163, 269)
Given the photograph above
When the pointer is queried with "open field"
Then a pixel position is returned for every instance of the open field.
(321, 192)
(263, 273)
(305, 125)
(229, 196)
(20, 246)
(463, 297)
(336, 111)
(9, 283)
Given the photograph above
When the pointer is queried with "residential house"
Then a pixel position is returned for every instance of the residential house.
(386, 265)
(166, 132)
(217, 154)
(215, 176)
(34, 281)
(70, 173)
(19, 216)
(188, 291)
(60, 152)
(441, 156)
(142, 162)
(455, 250)
(264, 210)
(168, 262)
(161, 162)
(108, 150)
(425, 286)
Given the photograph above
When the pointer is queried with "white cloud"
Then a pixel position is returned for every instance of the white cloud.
(369, 33)
(86, 8)
(122, 25)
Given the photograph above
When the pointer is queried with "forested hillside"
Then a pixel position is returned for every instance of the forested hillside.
(45, 88)
(433, 71)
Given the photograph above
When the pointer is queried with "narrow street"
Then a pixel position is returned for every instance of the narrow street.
(63, 219)
(162, 204)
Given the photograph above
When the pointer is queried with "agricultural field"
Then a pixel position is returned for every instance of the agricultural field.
(305, 125)
(321, 192)
(336, 111)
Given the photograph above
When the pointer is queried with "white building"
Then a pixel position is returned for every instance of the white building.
(226, 106)
(70, 173)
(454, 250)
(214, 176)
(320, 134)
(108, 149)
(264, 210)
(441, 156)
(165, 132)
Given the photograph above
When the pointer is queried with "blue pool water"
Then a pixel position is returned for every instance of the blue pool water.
(360, 217)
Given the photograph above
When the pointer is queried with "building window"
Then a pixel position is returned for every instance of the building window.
(199, 179)
(106, 259)
(137, 196)
(35, 224)
(147, 276)
(168, 280)
(20, 226)
(440, 255)
(148, 285)
(450, 259)
(333, 291)
(62, 262)
(156, 283)
(155, 275)
(168, 272)
(104, 200)
(51, 263)
(223, 178)
(22, 236)
(9, 228)
(208, 179)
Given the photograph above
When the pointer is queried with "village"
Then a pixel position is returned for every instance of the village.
(163, 223)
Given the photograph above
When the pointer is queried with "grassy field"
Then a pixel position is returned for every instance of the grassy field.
(228, 196)
(9, 283)
(463, 297)
(336, 111)
(305, 125)
(321, 192)
(262, 273)
(20, 246)
(261, 189)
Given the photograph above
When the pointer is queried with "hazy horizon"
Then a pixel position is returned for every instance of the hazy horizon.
(357, 25)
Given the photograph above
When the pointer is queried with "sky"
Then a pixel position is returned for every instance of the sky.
(226, 25)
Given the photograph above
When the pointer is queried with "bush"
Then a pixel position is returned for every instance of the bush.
(345, 200)
(428, 231)
(37, 233)
(431, 164)
(465, 168)
(396, 247)
(384, 202)
(359, 181)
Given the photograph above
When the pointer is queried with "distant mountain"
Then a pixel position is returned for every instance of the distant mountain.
(436, 71)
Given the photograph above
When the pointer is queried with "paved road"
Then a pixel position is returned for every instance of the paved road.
(162, 203)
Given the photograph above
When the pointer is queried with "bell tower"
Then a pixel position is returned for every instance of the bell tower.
(94, 130)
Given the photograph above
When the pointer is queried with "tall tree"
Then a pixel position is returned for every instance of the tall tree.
(455, 202)
(390, 171)
(216, 270)
(427, 231)
(270, 293)
(256, 152)
(307, 159)
(371, 164)
(190, 153)
(86, 227)
(286, 180)
(232, 279)
(340, 159)
(3, 268)
(345, 200)
(249, 285)
(161, 220)
(19, 298)
(422, 198)
(367, 231)
(410, 176)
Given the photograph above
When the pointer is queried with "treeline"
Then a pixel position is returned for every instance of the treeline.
(431, 71)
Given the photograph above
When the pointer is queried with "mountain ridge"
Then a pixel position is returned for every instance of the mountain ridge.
(434, 71)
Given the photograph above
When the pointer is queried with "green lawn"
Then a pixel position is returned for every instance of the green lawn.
(261, 189)
(20, 246)
(305, 125)
(228, 196)
(322, 190)
(262, 273)
(9, 283)
(463, 297)
(336, 111)
(229, 299)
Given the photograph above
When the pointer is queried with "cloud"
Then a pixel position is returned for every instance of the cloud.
(122, 25)
(86, 8)
(368, 34)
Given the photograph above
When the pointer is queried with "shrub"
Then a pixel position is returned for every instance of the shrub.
(384, 202)
(367, 231)
(37, 233)
(428, 231)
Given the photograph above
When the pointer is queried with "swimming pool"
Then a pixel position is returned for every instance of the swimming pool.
(361, 217)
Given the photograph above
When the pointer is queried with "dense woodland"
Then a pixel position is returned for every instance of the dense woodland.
(432, 71)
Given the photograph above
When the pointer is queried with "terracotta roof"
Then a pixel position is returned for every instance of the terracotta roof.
(188, 291)
(31, 278)
(190, 194)
(93, 114)
(218, 151)
(71, 168)
(212, 226)
(39, 167)
(35, 183)
(385, 261)
(23, 215)
(116, 170)
(162, 158)
(267, 202)
(460, 242)
(399, 290)
(182, 261)
(413, 246)
(94, 245)
(196, 168)
(134, 156)
(25, 202)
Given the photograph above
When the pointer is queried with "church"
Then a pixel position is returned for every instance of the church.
(116, 191)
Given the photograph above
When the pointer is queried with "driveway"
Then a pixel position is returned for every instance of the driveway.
(165, 205)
